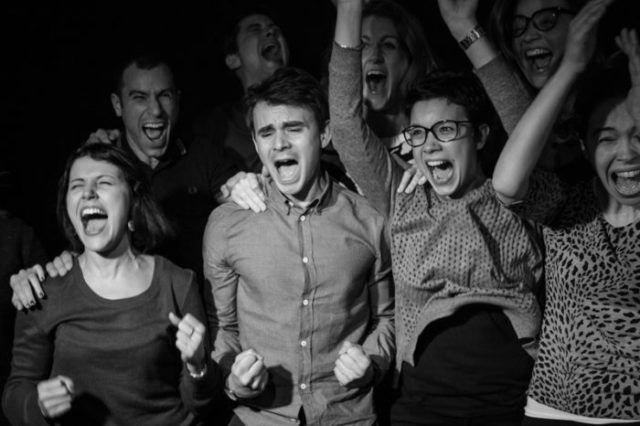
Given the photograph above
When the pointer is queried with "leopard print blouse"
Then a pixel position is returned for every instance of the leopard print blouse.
(589, 357)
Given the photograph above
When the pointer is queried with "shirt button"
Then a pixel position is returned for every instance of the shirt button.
(305, 259)
(303, 343)
(303, 386)
(305, 302)
(302, 218)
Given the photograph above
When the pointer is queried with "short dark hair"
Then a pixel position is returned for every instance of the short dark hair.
(143, 61)
(410, 34)
(149, 223)
(459, 87)
(289, 86)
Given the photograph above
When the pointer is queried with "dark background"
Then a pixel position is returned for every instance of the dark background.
(58, 59)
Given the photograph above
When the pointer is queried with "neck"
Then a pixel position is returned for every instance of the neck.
(315, 190)
(107, 266)
(614, 212)
(149, 161)
(385, 124)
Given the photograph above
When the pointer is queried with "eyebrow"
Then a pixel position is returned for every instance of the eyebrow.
(602, 129)
(288, 124)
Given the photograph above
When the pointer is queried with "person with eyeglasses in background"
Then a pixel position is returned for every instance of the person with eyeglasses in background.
(465, 267)
(515, 58)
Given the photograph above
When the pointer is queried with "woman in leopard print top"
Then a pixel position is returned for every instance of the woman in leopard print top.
(588, 365)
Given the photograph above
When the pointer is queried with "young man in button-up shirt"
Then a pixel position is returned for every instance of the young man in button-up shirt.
(303, 296)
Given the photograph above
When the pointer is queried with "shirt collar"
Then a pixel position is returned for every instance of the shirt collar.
(286, 206)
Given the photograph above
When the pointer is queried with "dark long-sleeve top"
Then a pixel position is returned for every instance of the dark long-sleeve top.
(120, 354)
(446, 253)
(294, 284)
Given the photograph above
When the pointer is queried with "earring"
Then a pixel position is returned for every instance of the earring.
(131, 226)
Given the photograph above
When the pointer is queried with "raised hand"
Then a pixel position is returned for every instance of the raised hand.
(249, 376)
(628, 42)
(459, 15)
(353, 367)
(190, 341)
(55, 396)
(108, 136)
(581, 40)
(411, 178)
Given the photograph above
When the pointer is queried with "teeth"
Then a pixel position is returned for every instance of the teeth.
(91, 211)
(536, 52)
(154, 125)
(628, 175)
(375, 74)
(436, 163)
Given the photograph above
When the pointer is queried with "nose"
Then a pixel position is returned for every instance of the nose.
(155, 106)
(280, 142)
(629, 147)
(89, 191)
(530, 32)
(431, 144)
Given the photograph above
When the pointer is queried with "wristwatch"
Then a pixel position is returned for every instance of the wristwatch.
(475, 34)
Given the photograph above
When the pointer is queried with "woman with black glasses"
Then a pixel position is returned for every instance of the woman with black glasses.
(530, 36)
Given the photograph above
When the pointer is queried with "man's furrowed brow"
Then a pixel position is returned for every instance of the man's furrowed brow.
(264, 129)
(295, 123)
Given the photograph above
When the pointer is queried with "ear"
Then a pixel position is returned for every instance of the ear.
(116, 104)
(325, 135)
(233, 62)
(482, 134)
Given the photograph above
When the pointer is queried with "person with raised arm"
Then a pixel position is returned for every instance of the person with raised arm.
(587, 367)
(465, 267)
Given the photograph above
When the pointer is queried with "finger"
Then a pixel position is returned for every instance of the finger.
(35, 284)
(243, 363)
(113, 134)
(349, 365)
(194, 323)
(254, 201)
(254, 371)
(406, 177)
(67, 383)
(175, 320)
(22, 288)
(67, 261)
(342, 378)
(260, 381)
(15, 301)
(344, 348)
(265, 172)
(224, 190)
(415, 181)
(60, 409)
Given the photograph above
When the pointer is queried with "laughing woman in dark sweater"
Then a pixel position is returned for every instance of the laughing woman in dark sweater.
(120, 339)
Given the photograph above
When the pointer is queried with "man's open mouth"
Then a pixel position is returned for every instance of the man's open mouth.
(154, 131)
(288, 170)
(271, 52)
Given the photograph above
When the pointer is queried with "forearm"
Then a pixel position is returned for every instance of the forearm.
(525, 145)
(364, 156)
(508, 93)
(20, 404)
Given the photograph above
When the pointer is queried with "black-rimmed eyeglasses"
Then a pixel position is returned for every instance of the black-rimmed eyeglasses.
(544, 20)
(444, 131)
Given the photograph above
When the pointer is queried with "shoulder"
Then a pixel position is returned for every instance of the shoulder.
(359, 206)
(166, 268)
